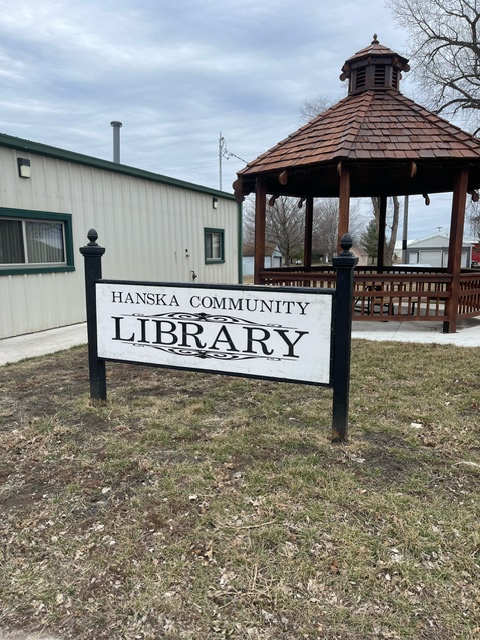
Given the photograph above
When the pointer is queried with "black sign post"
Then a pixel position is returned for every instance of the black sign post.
(344, 264)
(93, 253)
(338, 330)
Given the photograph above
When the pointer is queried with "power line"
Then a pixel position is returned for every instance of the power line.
(223, 152)
(228, 154)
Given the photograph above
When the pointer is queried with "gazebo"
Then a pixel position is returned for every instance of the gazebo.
(374, 142)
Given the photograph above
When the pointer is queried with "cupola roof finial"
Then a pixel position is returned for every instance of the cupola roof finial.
(374, 67)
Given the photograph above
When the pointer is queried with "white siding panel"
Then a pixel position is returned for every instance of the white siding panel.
(145, 226)
(39, 301)
(431, 257)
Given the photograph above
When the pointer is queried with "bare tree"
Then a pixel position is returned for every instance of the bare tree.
(312, 108)
(444, 44)
(249, 220)
(284, 226)
(325, 226)
(445, 49)
(474, 218)
(389, 247)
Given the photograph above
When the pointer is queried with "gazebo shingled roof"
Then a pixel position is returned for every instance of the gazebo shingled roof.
(379, 132)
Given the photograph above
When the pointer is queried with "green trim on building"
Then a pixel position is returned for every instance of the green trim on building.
(21, 271)
(221, 232)
(38, 148)
(48, 216)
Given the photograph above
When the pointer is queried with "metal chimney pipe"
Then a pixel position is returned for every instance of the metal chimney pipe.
(116, 140)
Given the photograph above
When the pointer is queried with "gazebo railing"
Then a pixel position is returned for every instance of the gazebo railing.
(394, 293)
(469, 294)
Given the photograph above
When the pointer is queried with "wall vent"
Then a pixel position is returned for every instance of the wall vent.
(380, 75)
(395, 78)
(361, 77)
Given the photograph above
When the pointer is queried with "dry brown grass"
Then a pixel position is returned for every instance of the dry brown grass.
(201, 506)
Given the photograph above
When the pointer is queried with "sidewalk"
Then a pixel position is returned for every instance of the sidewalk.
(44, 342)
(41, 343)
(468, 332)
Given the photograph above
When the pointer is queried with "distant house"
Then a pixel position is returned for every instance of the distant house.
(154, 228)
(273, 258)
(433, 250)
(364, 260)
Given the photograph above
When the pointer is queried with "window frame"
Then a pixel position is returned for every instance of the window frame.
(26, 215)
(208, 231)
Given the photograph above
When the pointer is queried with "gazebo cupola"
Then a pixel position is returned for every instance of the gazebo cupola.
(375, 67)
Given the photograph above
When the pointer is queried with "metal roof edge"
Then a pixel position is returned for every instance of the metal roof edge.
(39, 148)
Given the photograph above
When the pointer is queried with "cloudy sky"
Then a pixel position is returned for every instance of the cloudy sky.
(176, 73)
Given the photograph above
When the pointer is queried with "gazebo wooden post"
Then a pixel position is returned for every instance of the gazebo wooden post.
(455, 248)
(307, 248)
(382, 223)
(260, 224)
(344, 202)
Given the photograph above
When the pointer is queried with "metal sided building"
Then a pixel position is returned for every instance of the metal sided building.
(154, 229)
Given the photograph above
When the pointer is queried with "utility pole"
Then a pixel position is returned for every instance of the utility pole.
(221, 144)
(405, 231)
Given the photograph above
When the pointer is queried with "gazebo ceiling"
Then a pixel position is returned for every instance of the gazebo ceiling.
(390, 144)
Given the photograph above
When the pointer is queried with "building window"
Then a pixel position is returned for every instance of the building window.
(214, 245)
(35, 242)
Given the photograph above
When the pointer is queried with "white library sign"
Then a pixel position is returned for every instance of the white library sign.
(282, 333)
(254, 331)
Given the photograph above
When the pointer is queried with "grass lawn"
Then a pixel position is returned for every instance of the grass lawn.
(196, 506)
